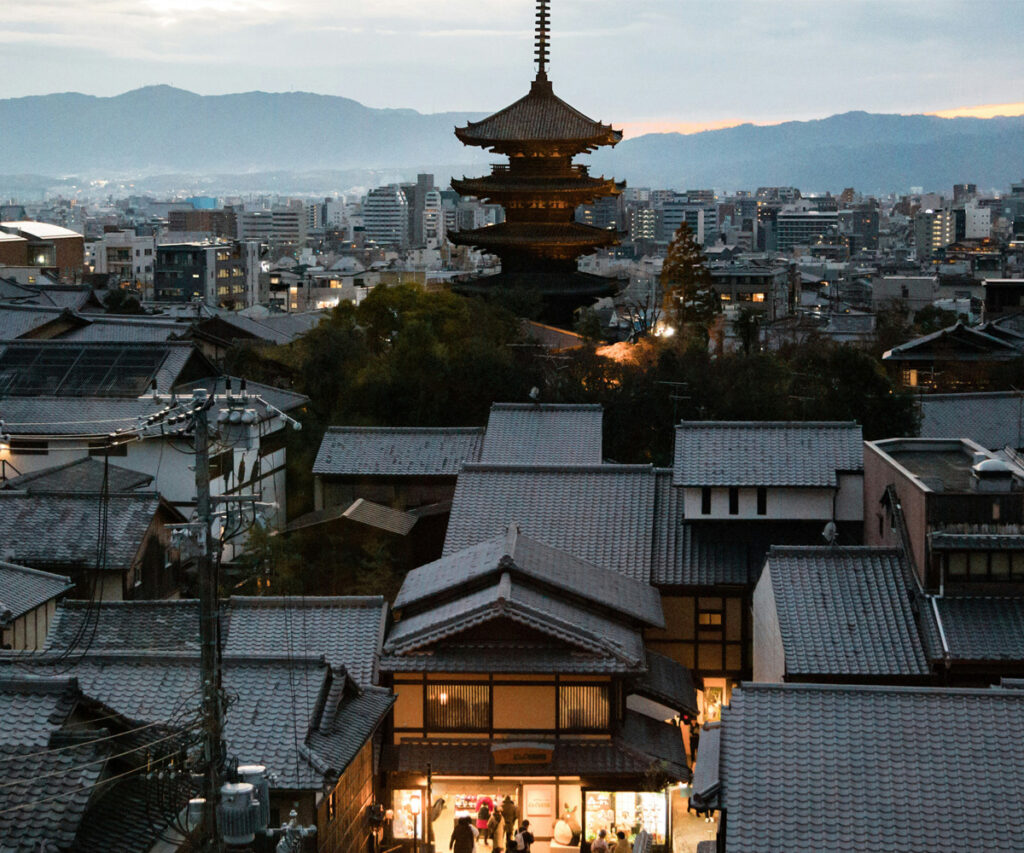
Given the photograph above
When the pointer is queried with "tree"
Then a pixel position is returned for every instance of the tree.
(747, 326)
(118, 301)
(686, 283)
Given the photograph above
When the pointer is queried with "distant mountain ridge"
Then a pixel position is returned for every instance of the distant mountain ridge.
(160, 130)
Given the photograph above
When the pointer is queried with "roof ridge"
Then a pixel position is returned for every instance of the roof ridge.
(295, 601)
(930, 690)
(596, 468)
(35, 572)
(563, 407)
(405, 430)
(770, 424)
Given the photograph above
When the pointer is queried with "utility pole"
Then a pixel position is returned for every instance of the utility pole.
(209, 635)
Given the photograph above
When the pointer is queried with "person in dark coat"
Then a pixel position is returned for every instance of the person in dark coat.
(463, 840)
(511, 815)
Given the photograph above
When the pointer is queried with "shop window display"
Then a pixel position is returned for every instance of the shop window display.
(407, 820)
(629, 811)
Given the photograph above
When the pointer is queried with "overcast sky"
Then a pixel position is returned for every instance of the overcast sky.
(632, 62)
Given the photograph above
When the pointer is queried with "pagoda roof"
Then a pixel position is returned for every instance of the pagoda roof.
(540, 116)
(536, 234)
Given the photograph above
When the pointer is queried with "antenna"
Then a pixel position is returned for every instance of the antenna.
(542, 30)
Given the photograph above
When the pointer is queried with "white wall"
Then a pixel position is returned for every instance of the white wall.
(769, 655)
(850, 499)
(783, 503)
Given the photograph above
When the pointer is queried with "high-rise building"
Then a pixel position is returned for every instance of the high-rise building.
(433, 220)
(801, 227)
(222, 275)
(964, 192)
(277, 225)
(386, 216)
(934, 229)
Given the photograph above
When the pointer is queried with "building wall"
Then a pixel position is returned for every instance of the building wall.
(880, 472)
(342, 821)
(769, 655)
(712, 649)
(793, 503)
(398, 492)
(29, 630)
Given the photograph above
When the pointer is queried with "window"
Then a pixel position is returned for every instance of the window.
(705, 500)
(583, 706)
(458, 707)
(710, 618)
(29, 447)
(100, 448)
(762, 500)
(985, 565)
(734, 500)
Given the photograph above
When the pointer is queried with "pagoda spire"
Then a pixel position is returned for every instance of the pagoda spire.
(542, 39)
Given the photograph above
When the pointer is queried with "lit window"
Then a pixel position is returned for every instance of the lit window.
(583, 706)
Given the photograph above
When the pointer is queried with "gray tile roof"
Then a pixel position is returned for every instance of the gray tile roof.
(104, 330)
(549, 434)
(547, 617)
(134, 813)
(340, 737)
(61, 530)
(985, 537)
(498, 656)
(33, 708)
(994, 419)
(44, 796)
(529, 559)
(397, 451)
(85, 416)
(667, 682)
(983, 628)
(957, 342)
(22, 589)
(346, 630)
(711, 553)
(274, 701)
(868, 768)
(600, 513)
(631, 752)
(766, 453)
(845, 612)
(80, 475)
(19, 320)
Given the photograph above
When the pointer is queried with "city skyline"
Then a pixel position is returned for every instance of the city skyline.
(796, 60)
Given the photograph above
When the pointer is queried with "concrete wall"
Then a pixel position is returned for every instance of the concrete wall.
(769, 655)
(880, 472)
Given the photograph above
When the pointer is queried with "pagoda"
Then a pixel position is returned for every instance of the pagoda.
(540, 188)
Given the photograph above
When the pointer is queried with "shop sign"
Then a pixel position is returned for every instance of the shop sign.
(538, 802)
(522, 753)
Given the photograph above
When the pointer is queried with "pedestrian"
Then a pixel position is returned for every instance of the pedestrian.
(463, 840)
(510, 814)
(483, 815)
(600, 844)
(524, 838)
(496, 831)
(622, 845)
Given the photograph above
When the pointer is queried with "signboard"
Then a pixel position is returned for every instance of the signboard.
(522, 753)
(538, 802)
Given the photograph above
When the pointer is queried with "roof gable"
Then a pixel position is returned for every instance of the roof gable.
(957, 342)
(22, 589)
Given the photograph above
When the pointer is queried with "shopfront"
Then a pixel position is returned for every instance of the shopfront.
(560, 811)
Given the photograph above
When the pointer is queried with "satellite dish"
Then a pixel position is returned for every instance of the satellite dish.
(830, 533)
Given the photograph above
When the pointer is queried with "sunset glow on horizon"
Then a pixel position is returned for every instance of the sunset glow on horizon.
(632, 129)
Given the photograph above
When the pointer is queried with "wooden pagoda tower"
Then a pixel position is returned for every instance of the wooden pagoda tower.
(540, 188)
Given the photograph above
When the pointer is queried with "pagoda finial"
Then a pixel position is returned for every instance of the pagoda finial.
(541, 52)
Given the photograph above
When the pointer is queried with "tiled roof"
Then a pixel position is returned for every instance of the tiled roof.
(18, 320)
(273, 701)
(845, 612)
(80, 475)
(282, 398)
(350, 727)
(710, 553)
(529, 559)
(44, 796)
(23, 589)
(958, 343)
(103, 330)
(85, 416)
(397, 451)
(346, 630)
(276, 328)
(994, 419)
(156, 626)
(528, 434)
(133, 813)
(379, 516)
(869, 768)
(497, 656)
(766, 453)
(631, 752)
(546, 616)
(986, 537)
(32, 708)
(983, 628)
(539, 115)
(61, 530)
(600, 513)
(667, 682)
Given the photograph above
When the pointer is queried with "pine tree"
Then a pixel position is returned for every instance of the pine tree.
(686, 286)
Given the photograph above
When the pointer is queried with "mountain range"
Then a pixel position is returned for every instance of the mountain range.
(163, 131)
